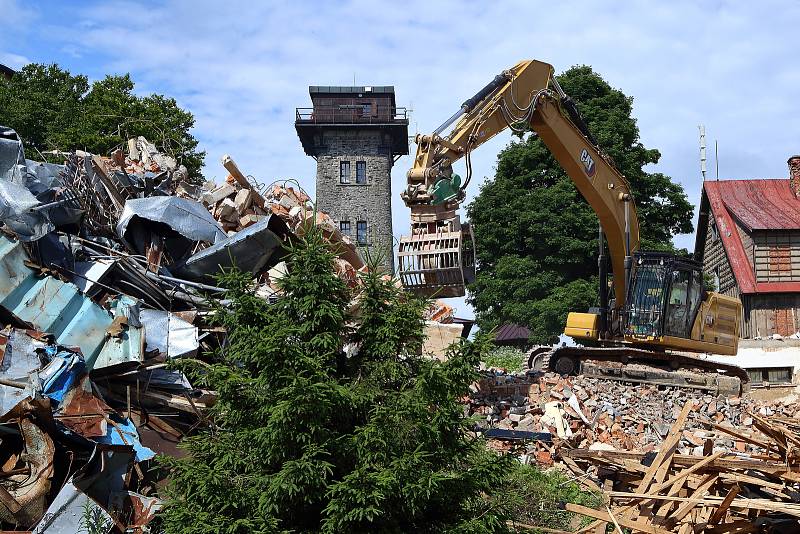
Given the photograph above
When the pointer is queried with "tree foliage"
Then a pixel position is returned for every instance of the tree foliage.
(52, 109)
(536, 236)
(328, 420)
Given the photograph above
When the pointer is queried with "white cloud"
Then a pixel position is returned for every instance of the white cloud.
(242, 67)
(14, 61)
(15, 21)
(14, 14)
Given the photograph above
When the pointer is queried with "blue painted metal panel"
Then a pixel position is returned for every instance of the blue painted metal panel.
(59, 308)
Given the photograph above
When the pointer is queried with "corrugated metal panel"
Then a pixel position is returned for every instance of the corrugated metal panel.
(59, 308)
(759, 204)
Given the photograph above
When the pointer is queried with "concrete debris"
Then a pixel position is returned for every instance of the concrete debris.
(662, 456)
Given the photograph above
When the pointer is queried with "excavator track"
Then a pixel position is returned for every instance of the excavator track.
(630, 364)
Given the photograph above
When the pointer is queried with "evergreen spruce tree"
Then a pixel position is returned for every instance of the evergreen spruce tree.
(328, 419)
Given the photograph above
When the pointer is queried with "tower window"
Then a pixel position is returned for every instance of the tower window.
(344, 227)
(344, 172)
(361, 232)
(361, 172)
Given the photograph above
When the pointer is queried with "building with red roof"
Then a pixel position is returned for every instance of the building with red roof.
(748, 237)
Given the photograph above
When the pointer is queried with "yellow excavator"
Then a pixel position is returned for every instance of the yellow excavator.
(659, 313)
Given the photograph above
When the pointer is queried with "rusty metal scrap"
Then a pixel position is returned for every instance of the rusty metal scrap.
(24, 494)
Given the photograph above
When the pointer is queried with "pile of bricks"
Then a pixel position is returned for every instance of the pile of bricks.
(591, 413)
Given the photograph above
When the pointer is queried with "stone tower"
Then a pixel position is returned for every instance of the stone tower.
(356, 134)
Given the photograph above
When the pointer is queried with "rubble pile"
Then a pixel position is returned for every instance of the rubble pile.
(718, 490)
(663, 457)
(590, 412)
(107, 273)
(593, 413)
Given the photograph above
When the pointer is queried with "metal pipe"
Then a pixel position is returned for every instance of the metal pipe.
(449, 121)
(470, 103)
(198, 285)
(602, 267)
(628, 258)
(53, 204)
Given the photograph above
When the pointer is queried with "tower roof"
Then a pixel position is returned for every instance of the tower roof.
(350, 89)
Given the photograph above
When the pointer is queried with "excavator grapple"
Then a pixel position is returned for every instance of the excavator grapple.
(438, 258)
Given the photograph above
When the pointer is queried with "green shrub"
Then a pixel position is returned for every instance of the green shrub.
(509, 358)
(535, 497)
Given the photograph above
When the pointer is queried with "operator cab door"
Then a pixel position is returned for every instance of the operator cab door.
(685, 293)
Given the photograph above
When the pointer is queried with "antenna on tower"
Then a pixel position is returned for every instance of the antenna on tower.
(703, 151)
(716, 156)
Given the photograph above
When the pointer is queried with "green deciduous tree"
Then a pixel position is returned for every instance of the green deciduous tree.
(53, 110)
(328, 420)
(537, 237)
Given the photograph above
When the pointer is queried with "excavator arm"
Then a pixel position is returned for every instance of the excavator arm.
(526, 96)
(661, 305)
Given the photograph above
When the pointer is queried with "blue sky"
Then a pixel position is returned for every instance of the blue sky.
(243, 67)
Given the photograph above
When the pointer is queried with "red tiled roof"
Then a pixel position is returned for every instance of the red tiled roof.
(756, 205)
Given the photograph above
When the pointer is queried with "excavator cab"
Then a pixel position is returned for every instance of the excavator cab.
(438, 258)
(664, 297)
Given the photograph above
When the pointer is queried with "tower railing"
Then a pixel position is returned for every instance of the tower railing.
(351, 114)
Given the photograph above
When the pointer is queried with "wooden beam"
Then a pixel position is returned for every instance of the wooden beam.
(743, 437)
(791, 472)
(667, 448)
(639, 526)
(686, 472)
(720, 513)
(583, 478)
(684, 509)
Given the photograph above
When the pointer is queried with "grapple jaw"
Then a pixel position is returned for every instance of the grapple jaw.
(438, 258)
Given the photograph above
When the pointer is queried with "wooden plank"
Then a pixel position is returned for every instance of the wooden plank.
(746, 479)
(668, 448)
(9, 501)
(686, 472)
(664, 510)
(684, 509)
(614, 519)
(110, 187)
(241, 179)
(583, 478)
(776, 431)
(739, 527)
(624, 521)
(773, 468)
(713, 500)
(720, 513)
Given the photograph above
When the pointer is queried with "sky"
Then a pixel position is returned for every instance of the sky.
(243, 67)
